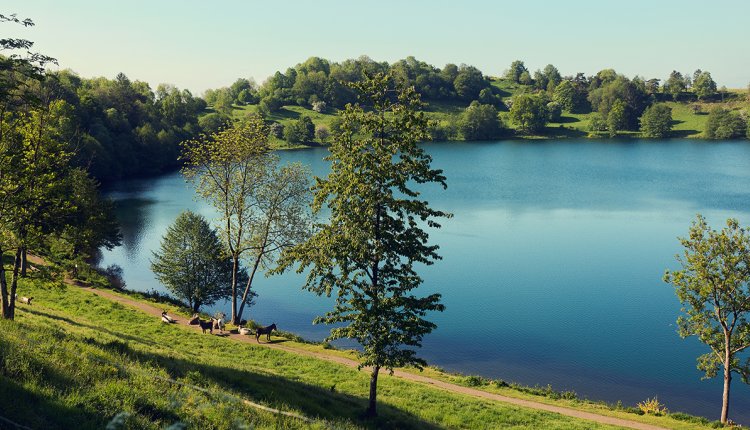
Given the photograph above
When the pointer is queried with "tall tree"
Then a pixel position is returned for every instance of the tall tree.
(365, 253)
(261, 206)
(714, 288)
(704, 85)
(191, 262)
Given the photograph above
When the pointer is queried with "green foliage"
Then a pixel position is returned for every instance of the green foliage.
(704, 85)
(630, 95)
(261, 206)
(480, 122)
(529, 112)
(713, 286)
(365, 254)
(725, 124)
(516, 69)
(656, 121)
(616, 118)
(469, 83)
(300, 131)
(675, 84)
(191, 262)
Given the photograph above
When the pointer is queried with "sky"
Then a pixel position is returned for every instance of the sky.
(209, 44)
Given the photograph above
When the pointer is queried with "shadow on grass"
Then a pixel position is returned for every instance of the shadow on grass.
(683, 133)
(279, 392)
(90, 326)
(568, 120)
(34, 410)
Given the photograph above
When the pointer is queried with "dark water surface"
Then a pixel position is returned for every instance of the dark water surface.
(552, 264)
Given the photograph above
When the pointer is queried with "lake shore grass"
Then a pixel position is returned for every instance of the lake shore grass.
(86, 359)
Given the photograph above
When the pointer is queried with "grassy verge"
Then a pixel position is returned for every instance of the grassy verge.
(76, 360)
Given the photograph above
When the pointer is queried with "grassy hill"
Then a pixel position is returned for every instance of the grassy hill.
(74, 359)
(689, 119)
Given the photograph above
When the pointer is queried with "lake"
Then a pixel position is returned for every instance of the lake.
(552, 265)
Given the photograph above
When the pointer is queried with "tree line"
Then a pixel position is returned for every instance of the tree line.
(616, 103)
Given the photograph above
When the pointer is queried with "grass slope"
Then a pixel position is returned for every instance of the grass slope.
(77, 360)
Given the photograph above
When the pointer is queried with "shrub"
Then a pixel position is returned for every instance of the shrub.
(652, 406)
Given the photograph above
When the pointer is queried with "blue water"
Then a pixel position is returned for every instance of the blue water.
(552, 263)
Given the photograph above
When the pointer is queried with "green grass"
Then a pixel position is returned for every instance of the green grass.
(75, 360)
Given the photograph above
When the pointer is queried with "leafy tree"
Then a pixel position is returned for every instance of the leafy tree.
(191, 262)
(300, 131)
(322, 133)
(261, 206)
(630, 93)
(704, 85)
(212, 122)
(552, 76)
(675, 84)
(516, 69)
(656, 121)
(554, 112)
(525, 78)
(365, 254)
(713, 286)
(480, 122)
(529, 112)
(616, 118)
(469, 82)
(565, 95)
(724, 124)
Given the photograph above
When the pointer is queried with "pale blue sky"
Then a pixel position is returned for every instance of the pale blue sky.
(206, 44)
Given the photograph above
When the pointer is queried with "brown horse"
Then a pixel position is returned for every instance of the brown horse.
(264, 330)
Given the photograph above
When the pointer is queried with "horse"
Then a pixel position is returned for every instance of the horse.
(265, 330)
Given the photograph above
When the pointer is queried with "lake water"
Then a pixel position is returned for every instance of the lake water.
(553, 262)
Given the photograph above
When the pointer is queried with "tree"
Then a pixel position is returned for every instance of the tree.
(529, 112)
(480, 122)
(469, 82)
(616, 118)
(656, 121)
(515, 70)
(261, 206)
(713, 286)
(565, 96)
(725, 124)
(675, 84)
(300, 131)
(365, 254)
(704, 85)
(191, 262)
(551, 76)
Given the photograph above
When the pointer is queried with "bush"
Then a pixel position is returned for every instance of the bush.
(652, 407)
(480, 122)
(656, 121)
(725, 124)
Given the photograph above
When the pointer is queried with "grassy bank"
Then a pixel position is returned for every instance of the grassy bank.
(77, 360)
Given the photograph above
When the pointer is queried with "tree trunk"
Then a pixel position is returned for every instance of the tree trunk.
(3, 286)
(24, 262)
(10, 310)
(235, 269)
(372, 406)
(727, 380)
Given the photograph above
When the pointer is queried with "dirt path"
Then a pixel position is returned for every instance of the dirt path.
(156, 313)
